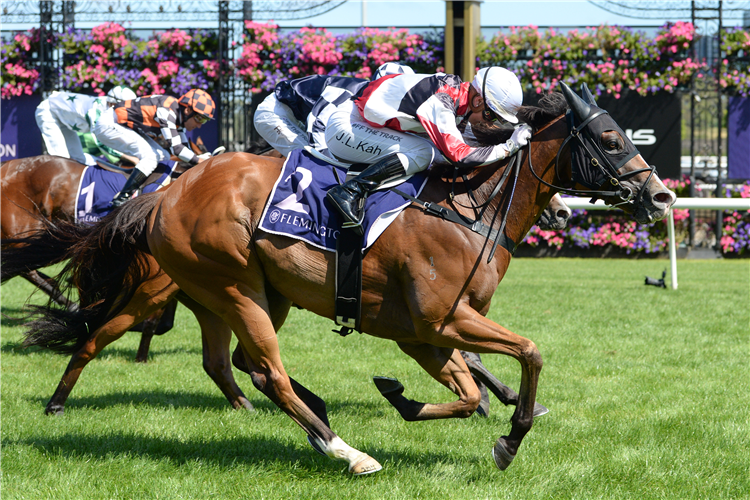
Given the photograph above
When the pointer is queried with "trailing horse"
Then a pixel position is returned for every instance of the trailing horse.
(203, 233)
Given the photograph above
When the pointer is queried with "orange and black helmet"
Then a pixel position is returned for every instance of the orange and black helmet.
(199, 101)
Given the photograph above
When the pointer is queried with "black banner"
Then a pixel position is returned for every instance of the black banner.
(653, 124)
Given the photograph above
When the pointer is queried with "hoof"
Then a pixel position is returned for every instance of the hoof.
(315, 446)
(54, 410)
(388, 386)
(366, 465)
(502, 456)
(540, 410)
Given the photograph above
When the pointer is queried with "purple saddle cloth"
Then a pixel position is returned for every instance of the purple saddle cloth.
(297, 206)
(99, 186)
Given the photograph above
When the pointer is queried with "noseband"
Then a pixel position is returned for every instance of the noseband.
(588, 161)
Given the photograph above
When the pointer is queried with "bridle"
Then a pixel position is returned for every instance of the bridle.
(583, 156)
(587, 157)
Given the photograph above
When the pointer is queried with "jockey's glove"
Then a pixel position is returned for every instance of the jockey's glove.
(519, 139)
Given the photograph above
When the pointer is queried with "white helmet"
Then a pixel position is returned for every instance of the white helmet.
(120, 93)
(500, 90)
(392, 68)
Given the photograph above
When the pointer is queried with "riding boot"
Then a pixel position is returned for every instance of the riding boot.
(349, 198)
(136, 179)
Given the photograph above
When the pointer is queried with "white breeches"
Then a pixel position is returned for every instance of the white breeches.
(276, 123)
(350, 138)
(58, 138)
(128, 141)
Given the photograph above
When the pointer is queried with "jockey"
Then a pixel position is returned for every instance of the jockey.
(295, 115)
(65, 115)
(381, 129)
(91, 146)
(133, 126)
(61, 116)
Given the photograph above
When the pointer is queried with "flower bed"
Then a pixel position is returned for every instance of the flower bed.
(269, 57)
(597, 231)
(607, 58)
(173, 61)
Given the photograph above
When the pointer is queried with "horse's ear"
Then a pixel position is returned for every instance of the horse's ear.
(580, 108)
(587, 96)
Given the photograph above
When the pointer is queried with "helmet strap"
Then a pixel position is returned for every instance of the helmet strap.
(487, 111)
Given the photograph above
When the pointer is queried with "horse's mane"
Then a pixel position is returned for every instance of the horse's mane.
(549, 107)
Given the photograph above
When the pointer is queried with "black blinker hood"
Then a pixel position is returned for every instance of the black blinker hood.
(591, 166)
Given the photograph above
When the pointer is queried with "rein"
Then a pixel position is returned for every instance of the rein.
(497, 235)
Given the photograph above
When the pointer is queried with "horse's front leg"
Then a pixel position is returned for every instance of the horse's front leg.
(483, 376)
(217, 363)
(468, 330)
(447, 367)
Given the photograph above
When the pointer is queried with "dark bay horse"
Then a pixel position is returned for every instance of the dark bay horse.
(203, 233)
(44, 188)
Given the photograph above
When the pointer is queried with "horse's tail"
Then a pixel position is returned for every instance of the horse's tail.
(39, 248)
(106, 267)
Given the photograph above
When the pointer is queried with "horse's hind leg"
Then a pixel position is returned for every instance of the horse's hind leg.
(447, 367)
(43, 282)
(136, 310)
(158, 323)
(244, 306)
(217, 336)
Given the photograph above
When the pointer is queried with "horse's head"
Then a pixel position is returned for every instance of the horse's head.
(555, 216)
(606, 162)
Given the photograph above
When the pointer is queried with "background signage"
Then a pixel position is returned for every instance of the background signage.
(20, 136)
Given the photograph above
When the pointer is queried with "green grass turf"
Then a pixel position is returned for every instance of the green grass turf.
(648, 392)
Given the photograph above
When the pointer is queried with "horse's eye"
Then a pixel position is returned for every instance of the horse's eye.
(612, 144)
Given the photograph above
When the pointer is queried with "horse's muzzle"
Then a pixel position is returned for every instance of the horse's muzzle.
(654, 204)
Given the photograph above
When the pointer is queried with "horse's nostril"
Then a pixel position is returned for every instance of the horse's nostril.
(563, 214)
(664, 197)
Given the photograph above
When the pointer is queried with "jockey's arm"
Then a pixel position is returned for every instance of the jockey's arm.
(175, 137)
(276, 123)
(439, 121)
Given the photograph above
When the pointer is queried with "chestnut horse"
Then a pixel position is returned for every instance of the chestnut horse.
(46, 186)
(203, 232)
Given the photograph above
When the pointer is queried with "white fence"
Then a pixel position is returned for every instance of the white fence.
(697, 203)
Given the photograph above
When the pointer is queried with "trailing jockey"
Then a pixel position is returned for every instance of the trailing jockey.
(64, 117)
(131, 127)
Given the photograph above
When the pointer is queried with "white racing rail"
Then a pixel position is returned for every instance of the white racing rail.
(694, 203)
